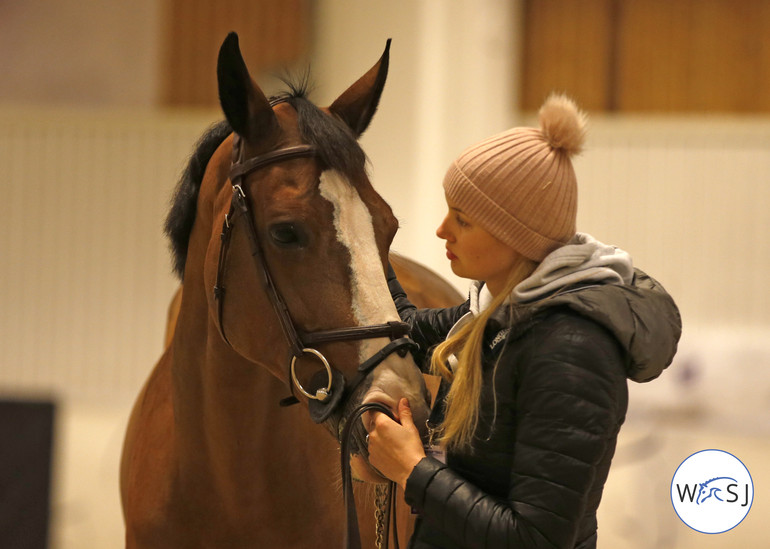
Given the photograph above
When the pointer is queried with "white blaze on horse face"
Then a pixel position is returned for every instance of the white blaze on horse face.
(371, 302)
(370, 296)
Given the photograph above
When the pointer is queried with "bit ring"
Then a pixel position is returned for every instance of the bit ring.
(322, 393)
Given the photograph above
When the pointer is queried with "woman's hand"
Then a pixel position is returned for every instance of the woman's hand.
(395, 449)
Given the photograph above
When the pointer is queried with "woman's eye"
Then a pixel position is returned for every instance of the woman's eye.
(461, 221)
(286, 235)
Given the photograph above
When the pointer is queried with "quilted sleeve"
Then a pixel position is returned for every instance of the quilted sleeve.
(429, 327)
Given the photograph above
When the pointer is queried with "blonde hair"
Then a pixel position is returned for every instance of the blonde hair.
(462, 402)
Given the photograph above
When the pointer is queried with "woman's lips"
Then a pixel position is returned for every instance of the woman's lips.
(450, 256)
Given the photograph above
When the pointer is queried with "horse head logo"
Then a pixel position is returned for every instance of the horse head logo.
(707, 489)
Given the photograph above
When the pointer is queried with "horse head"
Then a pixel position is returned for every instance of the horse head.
(296, 281)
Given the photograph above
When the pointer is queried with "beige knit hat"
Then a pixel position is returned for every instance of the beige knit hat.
(519, 185)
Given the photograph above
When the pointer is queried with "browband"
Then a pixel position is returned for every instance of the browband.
(239, 169)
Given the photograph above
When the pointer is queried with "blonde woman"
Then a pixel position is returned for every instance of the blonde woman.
(535, 364)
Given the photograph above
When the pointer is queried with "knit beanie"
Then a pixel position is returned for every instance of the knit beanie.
(519, 185)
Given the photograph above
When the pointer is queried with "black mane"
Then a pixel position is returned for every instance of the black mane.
(337, 149)
(181, 216)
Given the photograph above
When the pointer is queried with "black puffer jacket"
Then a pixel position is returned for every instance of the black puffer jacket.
(543, 448)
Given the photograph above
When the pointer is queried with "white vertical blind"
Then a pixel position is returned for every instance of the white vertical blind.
(85, 269)
(690, 200)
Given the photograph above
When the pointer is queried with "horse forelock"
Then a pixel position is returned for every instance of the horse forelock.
(337, 148)
(181, 215)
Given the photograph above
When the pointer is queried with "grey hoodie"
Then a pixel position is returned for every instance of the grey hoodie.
(587, 265)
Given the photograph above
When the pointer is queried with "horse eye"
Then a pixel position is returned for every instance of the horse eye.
(286, 235)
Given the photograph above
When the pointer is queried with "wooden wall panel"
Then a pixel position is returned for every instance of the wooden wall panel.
(272, 33)
(566, 48)
(694, 56)
(730, 56)
(659, 55)
(652, 54)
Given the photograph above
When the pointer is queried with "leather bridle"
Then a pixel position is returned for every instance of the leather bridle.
(328, 385)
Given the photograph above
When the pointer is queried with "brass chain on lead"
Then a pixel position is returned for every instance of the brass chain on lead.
(381, 502)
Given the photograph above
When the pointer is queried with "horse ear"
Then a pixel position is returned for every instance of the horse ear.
(245, 106)
(357, 105)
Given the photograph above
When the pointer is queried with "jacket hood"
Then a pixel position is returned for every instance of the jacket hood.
(599, 282)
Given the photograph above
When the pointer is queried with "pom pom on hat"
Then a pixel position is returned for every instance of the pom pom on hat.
(519, 185)
(563, 124)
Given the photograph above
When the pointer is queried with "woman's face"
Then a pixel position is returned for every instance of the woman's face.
(473, 252)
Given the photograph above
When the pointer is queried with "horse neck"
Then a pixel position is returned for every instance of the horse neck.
(234, 443)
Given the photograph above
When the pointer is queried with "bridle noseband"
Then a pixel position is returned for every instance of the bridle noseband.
(328, 385)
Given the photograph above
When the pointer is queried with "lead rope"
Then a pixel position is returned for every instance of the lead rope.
(352, 534)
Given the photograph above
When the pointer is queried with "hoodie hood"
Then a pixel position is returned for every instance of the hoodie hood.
(583, 260)
(599, 282)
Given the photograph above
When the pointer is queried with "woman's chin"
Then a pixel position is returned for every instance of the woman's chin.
(363, 471)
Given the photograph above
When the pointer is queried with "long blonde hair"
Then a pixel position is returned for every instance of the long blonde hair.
(462, 402)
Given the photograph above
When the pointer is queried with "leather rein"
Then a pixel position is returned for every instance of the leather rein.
(326, 389)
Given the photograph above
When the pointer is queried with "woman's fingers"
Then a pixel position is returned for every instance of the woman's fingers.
(405, 413)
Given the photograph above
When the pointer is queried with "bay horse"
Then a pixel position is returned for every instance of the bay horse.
(282, 245)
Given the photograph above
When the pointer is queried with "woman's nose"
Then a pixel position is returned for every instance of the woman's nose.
(442, 231)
